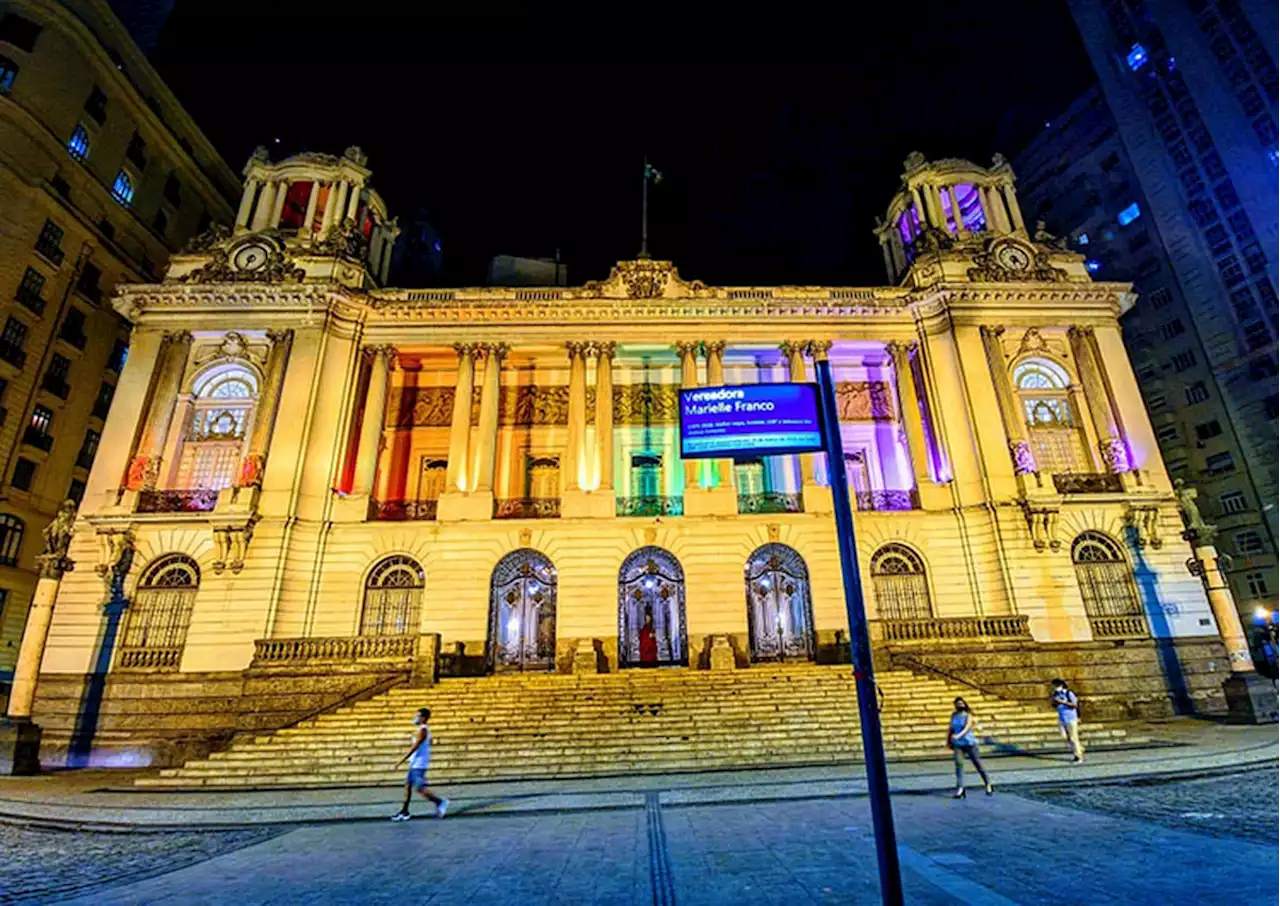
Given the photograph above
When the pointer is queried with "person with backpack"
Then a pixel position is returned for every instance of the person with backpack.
(419, 758)
(963, 743)
(1068, 706)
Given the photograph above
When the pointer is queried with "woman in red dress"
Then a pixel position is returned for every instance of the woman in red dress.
(648, 641)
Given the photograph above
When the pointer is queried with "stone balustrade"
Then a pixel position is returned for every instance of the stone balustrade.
(526, 508)
(277, 652)
(1087, 483)
(183, 500)
(771, 502)
(1133, 626)
(149, 658)
(650, 505)
(886, 500)
(1010, 626)
(403, 510)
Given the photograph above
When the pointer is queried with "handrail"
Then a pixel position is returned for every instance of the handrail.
(915, 663)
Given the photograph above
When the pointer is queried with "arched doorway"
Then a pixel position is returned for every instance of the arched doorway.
(651, 627)
(522, 613)
(899, 583)
(779, 607)
(392, 597)
(160, 613)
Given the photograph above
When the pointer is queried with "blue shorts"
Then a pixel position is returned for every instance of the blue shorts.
(416, 778)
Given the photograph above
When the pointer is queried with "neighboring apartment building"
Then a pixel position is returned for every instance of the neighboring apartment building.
(102, 176)
(1168, 174)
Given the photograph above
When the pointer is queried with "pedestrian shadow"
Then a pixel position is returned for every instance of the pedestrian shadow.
(480, 806)
(996, 747)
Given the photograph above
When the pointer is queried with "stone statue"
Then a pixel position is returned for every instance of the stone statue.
(53, 560)
(1043, 235)
(914, 161)
(997, 161)
(1197, 528)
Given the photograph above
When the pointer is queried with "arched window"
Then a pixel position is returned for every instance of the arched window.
(160, 613)
(651, 621)
(901, 589)
(11, 531)
(522, 613)
(1105, 577)
(221, 418)
(779, 606)
(392, 597)
(1043, 389)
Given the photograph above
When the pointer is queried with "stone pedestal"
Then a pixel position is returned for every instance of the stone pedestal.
(426, 660)
(817, 498)
(19, 748)
(585, 659)
(351, 508)
(1251, 698)
(934, 496)
(471, 506)
(721, 656)
(578, 504)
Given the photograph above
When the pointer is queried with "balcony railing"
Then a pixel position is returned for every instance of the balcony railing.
(402, 510)
(942, 628)
(34, 437)
(13, 354)
(56, 385)
(650, 506)
(1087, 483)
(887, 500)
(527, 508)
(150, 658)
(770, 502)
(194, 500)
(340, 648)
(1133, 626)
(31, 299)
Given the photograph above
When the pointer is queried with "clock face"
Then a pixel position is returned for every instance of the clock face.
(250, 258)
(1013, 258)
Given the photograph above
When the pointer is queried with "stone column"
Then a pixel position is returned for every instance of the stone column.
(794, 351)
(353, 201)
(934, 203)
(997, 219)
(144, 470)
(375, 414)
(282, 191)
(715, 378)
(1250, 697)
(308, 224)
(1014, 423)
(961, 232)
(897, 252)
(266, 204)
(330, 205)
(922, 210)
(689, 378)
(571, 463)
(458, 473)
(487, 440)
(264, 418)
(604, 415)
(1102, 410)
(909, 412)
(246, 204)
(1011, 205)
(888, 258)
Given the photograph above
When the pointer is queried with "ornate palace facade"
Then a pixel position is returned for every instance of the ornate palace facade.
(305, 468)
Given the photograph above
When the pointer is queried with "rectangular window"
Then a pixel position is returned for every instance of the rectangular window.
(1219, 463)
(12, 340)
(1197, 393)
(173, 190)
(75, 490)
(78, 144)
(119, 355)
(55, 379)
(1256, 335)
(39, 432)
(24, 473)
(73, 328)
(1176, 465)
(21, 33)
(1168, 434)
(1249, 542)
(1129, 214)
(1269, 406)
(61, 186)
(96, 105)
(103, 403)
(1158, 403)
(108, 230)
(88, 449)
(49, 242)
(122, 189)
(1206, 430)
(1257, 583)
(161, 223)
(30, 288)
(89, 284)
(1232, 501)
(136, 153)
(42, 419)
(1171, 329)
(1262, 368)
(1184, 360)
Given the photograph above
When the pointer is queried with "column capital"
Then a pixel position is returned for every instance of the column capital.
(491, 351)
(465, 350)
(384, 351)
(177, 337)
(790, 347)
(714, 347)
(606, 350)
(988, 330)
(687, 348)
(901, 352)
(577, 348)
(280, 336)
(818, 349)
(1079, 332)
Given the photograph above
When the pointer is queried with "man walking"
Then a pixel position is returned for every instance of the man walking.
(1068, 717)
(419, 758)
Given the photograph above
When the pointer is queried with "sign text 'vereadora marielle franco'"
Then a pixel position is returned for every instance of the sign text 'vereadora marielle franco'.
(749, 420)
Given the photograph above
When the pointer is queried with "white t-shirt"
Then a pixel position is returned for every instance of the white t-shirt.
(421, 757)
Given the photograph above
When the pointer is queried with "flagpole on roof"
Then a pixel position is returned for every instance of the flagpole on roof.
(644, 212)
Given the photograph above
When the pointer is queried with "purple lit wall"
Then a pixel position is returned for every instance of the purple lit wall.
(971, 214)
(939, 468)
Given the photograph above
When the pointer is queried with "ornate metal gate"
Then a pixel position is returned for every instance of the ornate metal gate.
(651, 626)
(779, 609)
(522, 613)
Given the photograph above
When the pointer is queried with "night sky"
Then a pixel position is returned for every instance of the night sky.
(781, 136)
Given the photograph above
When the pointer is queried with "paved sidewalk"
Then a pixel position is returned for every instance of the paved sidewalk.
(104, 799)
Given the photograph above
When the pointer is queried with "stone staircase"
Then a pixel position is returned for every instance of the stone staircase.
(639, 721)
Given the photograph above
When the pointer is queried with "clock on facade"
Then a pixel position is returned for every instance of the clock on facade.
(1013, 258)
(250, 257)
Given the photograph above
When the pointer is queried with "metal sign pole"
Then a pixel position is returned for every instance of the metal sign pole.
(859, 641)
